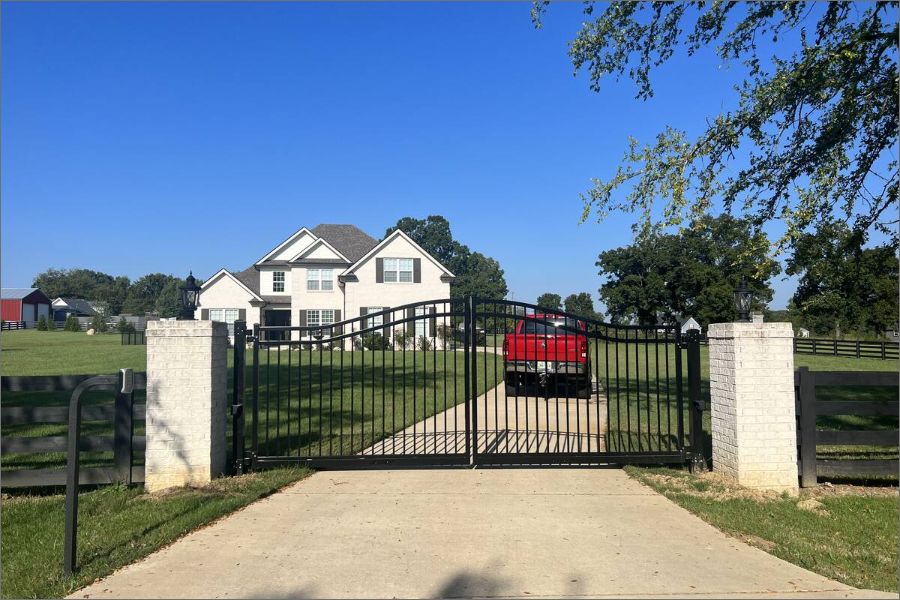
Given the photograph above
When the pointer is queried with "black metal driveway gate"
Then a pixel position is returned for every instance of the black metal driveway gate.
(463, 382)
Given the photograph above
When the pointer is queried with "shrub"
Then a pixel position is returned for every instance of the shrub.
(424, 343)
(42, 323)
(124, 326)
(72, 324)
(98, 324)
(375, 341)
(401, 338)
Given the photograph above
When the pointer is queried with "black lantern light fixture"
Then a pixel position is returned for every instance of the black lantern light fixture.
(743, 297)
(190, 297)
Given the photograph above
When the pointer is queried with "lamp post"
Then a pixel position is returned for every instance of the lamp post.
(190, 298)
(743, 297)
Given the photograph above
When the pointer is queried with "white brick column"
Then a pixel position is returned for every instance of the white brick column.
(751, 380)
(186, 402)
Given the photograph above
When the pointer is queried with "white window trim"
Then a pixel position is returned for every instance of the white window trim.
(371, 321)
(398, 270)
(283, 282)
(319, 280)
(319, 314)
(423, 323)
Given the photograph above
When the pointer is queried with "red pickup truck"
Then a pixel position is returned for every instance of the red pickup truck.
(551, 351)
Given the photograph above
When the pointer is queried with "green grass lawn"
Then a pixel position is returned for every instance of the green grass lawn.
(339, 403)
(844, 533)
(116, 526)
(33, 352)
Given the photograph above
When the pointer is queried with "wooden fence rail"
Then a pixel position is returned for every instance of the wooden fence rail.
(123, 451)
(808, 436)
(11, 325)
(847, 348)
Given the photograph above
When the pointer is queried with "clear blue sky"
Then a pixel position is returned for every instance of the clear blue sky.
(145, 137)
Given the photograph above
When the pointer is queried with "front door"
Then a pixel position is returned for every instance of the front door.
(278, 317)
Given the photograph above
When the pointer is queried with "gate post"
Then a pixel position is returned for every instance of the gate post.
(754, 427)
(697, 405)
(237, 398)
(187, 403)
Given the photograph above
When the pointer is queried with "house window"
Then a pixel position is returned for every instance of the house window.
(376, 321)
(278, 281)
(420, 322)
(398, 270)
(320, 280)
(319, 318)
(224, 315)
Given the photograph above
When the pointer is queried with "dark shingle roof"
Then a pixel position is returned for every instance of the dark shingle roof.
(349, 240)
(249, 277)
(80, 305)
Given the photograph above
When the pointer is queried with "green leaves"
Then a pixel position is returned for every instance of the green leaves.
(691, 274)
(814, 134)
(476, 274)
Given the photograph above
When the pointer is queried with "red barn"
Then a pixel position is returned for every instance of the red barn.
(24, 304)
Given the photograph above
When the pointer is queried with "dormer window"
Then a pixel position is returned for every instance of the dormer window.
(278, 281)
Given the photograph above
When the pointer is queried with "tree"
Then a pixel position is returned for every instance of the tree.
(124, 326)
(42, 323)
(842, 287)
(71, 323)
(581, 304)
(476, 274)
(84, 283)
(143, 293)
(812, 133)
(168, 303)
(98, 324)
(692, 274)
(550, 301)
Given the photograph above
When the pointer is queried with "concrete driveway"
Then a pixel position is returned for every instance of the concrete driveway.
(521, 533)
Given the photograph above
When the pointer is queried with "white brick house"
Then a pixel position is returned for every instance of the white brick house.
(325, 275)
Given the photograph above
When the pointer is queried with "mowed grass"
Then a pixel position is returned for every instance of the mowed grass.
(339, 403)
(117, 525)
(33, 352)
(844, 533)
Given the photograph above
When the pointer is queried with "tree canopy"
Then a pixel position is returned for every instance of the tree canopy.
(811, 134)
(550, 300)
(844, 288)
(476, 274)
(156, 292)
(689, 274)
(581, 304)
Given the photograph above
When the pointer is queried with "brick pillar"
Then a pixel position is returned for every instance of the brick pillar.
(186, 402)
(751, 381)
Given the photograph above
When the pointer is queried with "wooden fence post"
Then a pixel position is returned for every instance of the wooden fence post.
(123, 434)
(807, 394)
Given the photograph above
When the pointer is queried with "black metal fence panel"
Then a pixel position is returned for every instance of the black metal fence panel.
(134, 338)
(460, 382)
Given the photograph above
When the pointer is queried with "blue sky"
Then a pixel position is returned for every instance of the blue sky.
(144, 137)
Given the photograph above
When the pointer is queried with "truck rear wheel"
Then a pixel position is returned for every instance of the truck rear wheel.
(511, 389)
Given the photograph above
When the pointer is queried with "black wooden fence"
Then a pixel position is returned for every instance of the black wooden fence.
(122, 444)
(809, 436)
(11, 325)
(848, 348)
(134, 338)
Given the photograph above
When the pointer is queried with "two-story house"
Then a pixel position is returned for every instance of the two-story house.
(325, 275)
